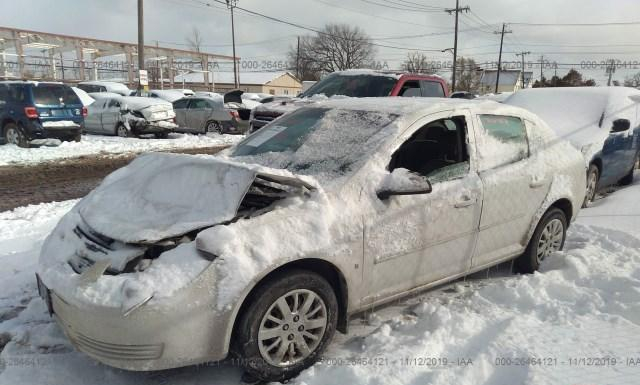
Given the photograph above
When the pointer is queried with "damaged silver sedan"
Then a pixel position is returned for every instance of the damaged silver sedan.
(265, 251)
(127, 116)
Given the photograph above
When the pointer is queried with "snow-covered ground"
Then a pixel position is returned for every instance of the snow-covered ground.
(101, 145)
(564, 325)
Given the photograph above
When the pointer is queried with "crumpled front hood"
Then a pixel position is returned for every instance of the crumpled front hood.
(159, 196)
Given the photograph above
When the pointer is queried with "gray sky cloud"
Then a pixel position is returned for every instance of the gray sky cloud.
(170, 21)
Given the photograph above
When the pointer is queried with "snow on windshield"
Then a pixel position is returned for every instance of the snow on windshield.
(324, 143)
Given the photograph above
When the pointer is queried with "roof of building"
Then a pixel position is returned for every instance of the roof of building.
(259, 78)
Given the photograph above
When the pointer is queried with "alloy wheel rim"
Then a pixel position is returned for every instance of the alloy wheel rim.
(292, 328)
(213, 127)
(550, 239)
(122, 131)
(12, 136)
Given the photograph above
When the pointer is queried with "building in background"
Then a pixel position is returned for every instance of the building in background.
(274, 83)
(510, 81)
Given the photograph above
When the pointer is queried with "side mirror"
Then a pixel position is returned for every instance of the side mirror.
(403, 182)
(620, 125)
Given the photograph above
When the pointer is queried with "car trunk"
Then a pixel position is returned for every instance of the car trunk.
(57, 105)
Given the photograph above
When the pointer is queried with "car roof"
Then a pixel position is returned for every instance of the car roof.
(407, 106)
(33, 82)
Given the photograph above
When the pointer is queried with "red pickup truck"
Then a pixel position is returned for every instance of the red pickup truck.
(355, 83)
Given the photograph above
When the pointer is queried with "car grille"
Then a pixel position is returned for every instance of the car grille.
(107, 350)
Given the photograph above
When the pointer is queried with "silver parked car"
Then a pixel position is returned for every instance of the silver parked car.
(130, 116)
(206, 114)
(335, 208)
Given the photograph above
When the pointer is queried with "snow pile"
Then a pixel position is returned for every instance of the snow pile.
(101, 145)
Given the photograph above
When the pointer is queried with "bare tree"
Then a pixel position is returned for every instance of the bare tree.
(337, 47)
(195, 40)
(418, 62)
(468, 75)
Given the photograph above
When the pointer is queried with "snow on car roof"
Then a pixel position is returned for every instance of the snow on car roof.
(583, 115)
(138, 102)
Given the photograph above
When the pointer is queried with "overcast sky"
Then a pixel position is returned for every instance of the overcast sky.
(170, 21)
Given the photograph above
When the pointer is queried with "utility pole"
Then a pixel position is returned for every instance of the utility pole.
(541, 68)
(457, 10)
(298, 60)
(140, 38)
(611, 68)
(231, 4)
(504, 25)
(523, 54)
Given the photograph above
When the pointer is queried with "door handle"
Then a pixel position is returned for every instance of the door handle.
(464, 202)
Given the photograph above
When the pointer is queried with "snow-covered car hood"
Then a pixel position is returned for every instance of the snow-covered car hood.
(159, 196)
(284, 106)
(151, 108)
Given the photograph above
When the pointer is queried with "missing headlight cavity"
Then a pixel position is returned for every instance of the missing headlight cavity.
(264, 191)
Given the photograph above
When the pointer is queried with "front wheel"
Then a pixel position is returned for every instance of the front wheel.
(122, 131)
(548, 238)
(593, 175)
(287, 325)
(161, 135)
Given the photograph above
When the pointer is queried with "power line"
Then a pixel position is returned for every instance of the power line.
(620, 23)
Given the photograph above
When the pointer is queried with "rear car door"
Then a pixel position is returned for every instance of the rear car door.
(421, 239)
(180, 109)
(93, 121)
(110, 116)
(514, 185)
(197, 113)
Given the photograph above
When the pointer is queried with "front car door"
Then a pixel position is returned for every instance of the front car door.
(422, 239)
(110, 116)
(514, 183)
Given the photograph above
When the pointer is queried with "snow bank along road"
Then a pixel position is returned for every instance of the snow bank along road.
(113, 145)
(575, 322)
(61, 179)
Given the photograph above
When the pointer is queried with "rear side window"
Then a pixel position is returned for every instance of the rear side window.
(4, 93)
(432, 89)
(198, 103)
(502, 141)
(54, 95)
(16, 94)
(182, 103)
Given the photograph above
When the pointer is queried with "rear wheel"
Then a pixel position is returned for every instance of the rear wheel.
(162, 135)
(213, 126)
(287, 325)
(14, 135)
(548, 238)
(593, 175)
(77, 137)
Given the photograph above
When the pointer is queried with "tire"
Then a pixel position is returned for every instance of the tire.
(77, 137)
(14, 135)
(593, 176)
(161, 135)
(550, 234)
(260, 357)
(213, 126)
(628, 179)
(122, 131)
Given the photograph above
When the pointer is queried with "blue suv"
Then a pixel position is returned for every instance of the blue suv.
(32, 112)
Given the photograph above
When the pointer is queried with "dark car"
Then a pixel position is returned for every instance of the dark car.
(33, 112)
(357, 84)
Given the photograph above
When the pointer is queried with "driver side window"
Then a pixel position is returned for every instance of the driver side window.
(437, 150)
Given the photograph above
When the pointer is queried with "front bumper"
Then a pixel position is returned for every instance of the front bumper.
(158, 127)
(155, 337)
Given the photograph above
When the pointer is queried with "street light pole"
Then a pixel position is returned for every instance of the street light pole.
(231, 4)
